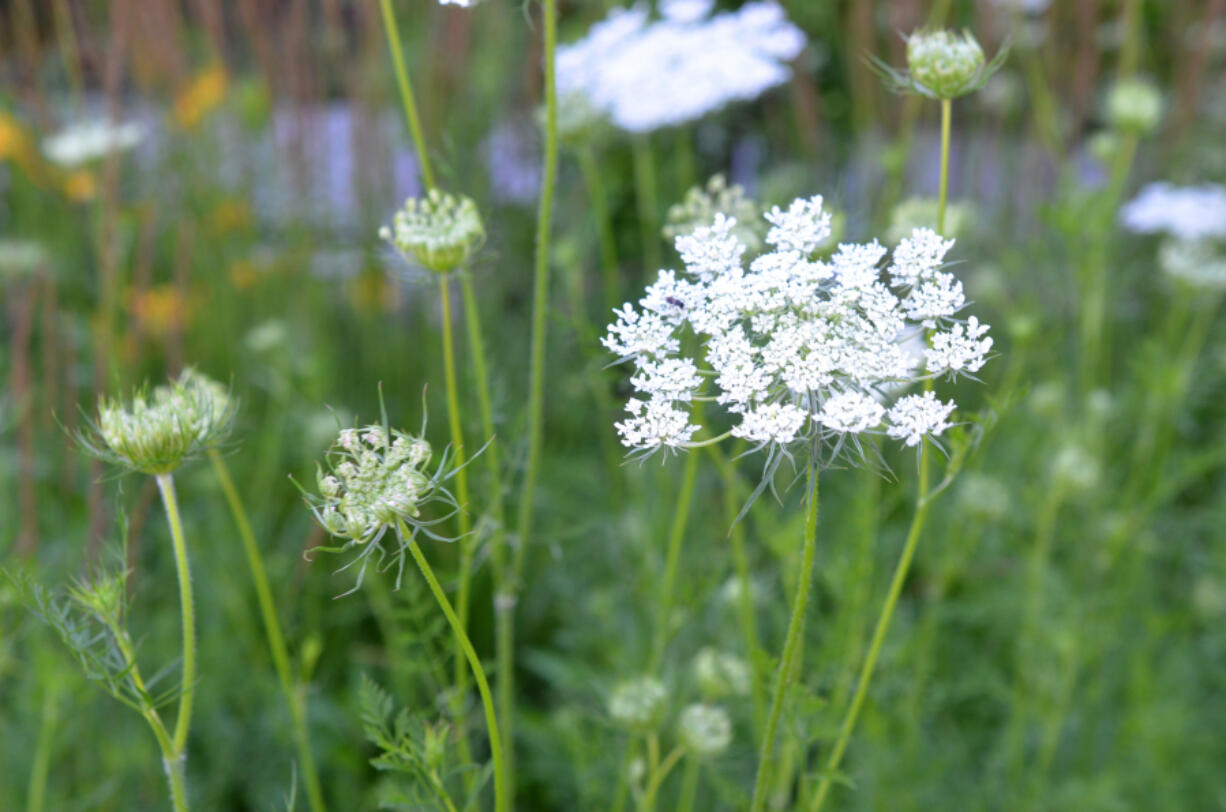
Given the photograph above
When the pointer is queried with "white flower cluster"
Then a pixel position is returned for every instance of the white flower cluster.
(90, 141)
(1194, 220)
(797, 348)
(375, 479)
(646, 74)
(1185, 212)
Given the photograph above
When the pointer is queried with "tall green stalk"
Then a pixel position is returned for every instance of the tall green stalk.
(406, 91)
(37, 792)
(502, 801)
(646, 192)
(536, 378)
(791, 645)
(946, 115)
(272, 630)
(183, 720)
(922, 503)
(676, 535)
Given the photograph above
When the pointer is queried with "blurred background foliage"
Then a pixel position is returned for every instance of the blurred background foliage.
(1060, 641)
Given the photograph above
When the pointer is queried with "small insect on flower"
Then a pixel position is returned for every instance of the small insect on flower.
(439, 231)
(156, 432)
(374, 479)
(940, 65)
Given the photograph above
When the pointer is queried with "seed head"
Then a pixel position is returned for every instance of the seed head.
(1134, 106)
(156, 432)
(438, 231)
(705, 729)
(638, 703)
(941, 64)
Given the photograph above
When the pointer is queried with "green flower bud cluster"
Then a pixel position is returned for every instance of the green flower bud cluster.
(439, 231)
(719, 674)
(704, 730)
(702, 203)
(374, 479)
(155, 433)
(941, 64)
(638, 704)
(1134, 106)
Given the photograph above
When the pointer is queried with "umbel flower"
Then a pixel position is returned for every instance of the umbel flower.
(439, 231)
(704, 729)
(940, 65)
(648, 74)
(638, 703)
(373, 479)
(155, 432)
(1185, 212)
(88, 141)
(798, 351)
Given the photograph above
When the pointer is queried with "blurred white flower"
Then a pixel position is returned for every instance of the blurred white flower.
(802, 349)
(1198, 263)
(651, 74)
(88, 141)
(1186, 212)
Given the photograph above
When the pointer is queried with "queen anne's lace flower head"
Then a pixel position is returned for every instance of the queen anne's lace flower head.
(649, 74)
(439, 231)
(1185, 212)
(1197, 263)
(1134, 106)
(639, 703)
(798, 350)
(702, 203)
(88, 141)
(155, 432)
(705, 730)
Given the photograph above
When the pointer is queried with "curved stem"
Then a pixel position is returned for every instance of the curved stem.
(946, 109)
(183, 721)
(883, 625)
(676, 535)
(272, 630)
(406, 91)
(536, 375)
(501, 801)
(791, 645)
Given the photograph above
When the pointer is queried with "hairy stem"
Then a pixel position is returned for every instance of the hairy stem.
(791, 645)
(946, 110)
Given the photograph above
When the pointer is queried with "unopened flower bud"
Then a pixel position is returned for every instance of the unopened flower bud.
(439, 231)
(945, 65)
(639, 703)
(1134, 106)
(704, 729)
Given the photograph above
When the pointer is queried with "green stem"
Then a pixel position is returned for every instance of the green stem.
(745, 608)
(463, 522)
(647, 195)
(183, 720)
(42, 753)
(676, 535)
(883, 626)
(604, 225)
(406, 91)
(946, 110)
(791, 643)
(177, 779)
(272, 630)
(536, 377)
(501, 800)
(656, 780)
(689, 785)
